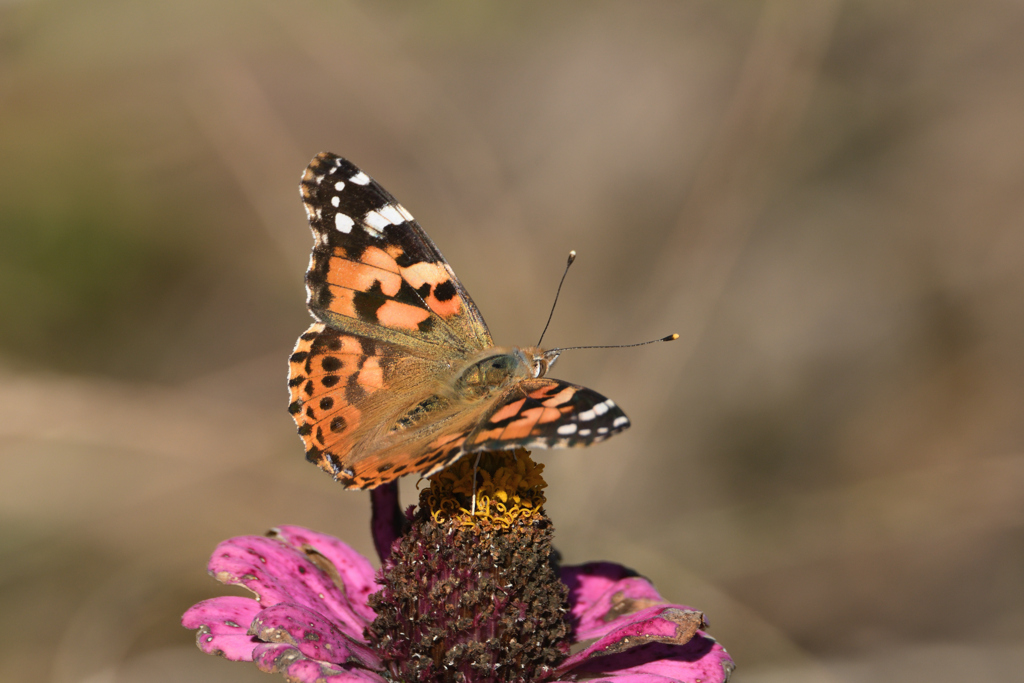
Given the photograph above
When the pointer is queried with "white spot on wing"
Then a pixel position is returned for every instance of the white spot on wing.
(360, 179)
(402, 210)
(340, 185)
(587, 415)
(620, 420)
(335, 201)
(600, 409)
(584, 432)
(391, 213)
(376, 221)
(343, 222)
(565, 430)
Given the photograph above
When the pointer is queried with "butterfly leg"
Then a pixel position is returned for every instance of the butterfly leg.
(476, 464)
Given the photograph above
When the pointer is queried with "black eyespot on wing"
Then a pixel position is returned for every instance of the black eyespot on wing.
(367, 303)
(445, 291)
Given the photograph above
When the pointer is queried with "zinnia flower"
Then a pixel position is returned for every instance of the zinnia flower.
(463, 595)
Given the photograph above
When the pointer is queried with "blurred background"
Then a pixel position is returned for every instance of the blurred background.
(824, 199)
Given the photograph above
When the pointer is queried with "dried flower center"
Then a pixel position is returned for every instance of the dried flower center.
(473, 597)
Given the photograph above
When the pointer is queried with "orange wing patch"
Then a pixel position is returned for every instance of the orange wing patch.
(329, 374)
(363, 275)
(401, 316)
(442, 297)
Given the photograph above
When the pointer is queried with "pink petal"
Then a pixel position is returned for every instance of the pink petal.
(701, 660)
(314, 636)
(286, 659)
(601, 594)
(355, 571)
(660, 624)
(278, 573)
(223, 625)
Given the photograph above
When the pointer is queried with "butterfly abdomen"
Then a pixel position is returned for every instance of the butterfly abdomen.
(422, 411)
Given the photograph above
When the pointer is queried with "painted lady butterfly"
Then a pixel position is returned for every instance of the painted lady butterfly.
(399, 374)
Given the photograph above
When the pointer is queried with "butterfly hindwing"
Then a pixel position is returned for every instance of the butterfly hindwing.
(355, 431)
(533, 413)
(373, 270)
(330, 373)
(424, 456)
(547, 413)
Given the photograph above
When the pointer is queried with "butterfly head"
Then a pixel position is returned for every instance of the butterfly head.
(542, 360)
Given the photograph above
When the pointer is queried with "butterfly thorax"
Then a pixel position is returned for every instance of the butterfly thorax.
(498, 367)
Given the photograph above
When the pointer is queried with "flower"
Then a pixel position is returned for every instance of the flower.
(457, 600)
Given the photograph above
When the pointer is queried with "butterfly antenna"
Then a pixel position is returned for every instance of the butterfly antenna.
(572, 257)
(670, 337)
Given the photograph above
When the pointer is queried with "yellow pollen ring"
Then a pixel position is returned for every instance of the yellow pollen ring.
(509, 490)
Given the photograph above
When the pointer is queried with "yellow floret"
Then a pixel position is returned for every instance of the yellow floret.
(509, 489)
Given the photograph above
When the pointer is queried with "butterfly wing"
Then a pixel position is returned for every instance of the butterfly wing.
(547, 413)
(375, 273)
(345, 393)
(536, 413)
(533, 413)
(369, 412)
(392, 318)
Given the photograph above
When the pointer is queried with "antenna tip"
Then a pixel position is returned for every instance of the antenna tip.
(671, 337)
(572, 256)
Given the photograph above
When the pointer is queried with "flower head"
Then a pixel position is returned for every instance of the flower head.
(464, 595)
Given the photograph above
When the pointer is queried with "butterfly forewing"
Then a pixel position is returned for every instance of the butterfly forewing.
(374, 271)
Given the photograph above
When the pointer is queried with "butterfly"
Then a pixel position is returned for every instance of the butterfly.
(399, 374)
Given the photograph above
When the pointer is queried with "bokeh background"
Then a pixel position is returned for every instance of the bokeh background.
(825, 199)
